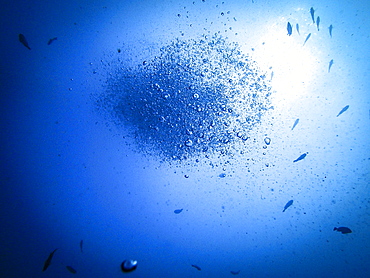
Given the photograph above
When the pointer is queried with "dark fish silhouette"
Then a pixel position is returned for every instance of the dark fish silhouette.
(81, 245)
(287, 205)
(51, 40)
(71, 269)
(197, 267)
(48, 260)
(344, 109)
(330, 29)
(297, 27)
(234, 272)
(289, 28)
(302, 156)
(177, 211)
(23, 40)
(312, 11)
(330, 64)
(295, 123)
(308, 36)
(343, 230)
(318, 23)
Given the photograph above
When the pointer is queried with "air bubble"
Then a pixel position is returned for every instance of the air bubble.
(188, 143)
(267, 141)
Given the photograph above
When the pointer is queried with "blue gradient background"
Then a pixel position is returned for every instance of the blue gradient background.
(67, 174)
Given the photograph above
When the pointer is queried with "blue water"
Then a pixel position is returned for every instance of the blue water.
(162, 131)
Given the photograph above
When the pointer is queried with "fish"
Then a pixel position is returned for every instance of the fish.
(197, 267)
(23, 40)
(234, 272)
(71, 269)
(344, 109)
(177, 211)
(51, 40)
(330, 29)
(48, 260)
(302, 156)
(330, 64)
(295, 123)
(287, 205)
(308, 36)
(297, 27)
(312, 11)
(289, 28)
(318, 23)
(343, 230)
(81, 245)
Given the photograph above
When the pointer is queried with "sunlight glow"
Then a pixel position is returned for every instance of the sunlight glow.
(292, 63)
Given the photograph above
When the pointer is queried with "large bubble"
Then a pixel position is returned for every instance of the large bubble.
(197, 98)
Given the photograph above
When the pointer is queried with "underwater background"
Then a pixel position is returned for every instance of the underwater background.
(199, 138)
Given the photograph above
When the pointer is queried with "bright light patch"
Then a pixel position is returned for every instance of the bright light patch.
(292, 64)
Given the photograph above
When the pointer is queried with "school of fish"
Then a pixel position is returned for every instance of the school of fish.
(317, 22)
(343, 230)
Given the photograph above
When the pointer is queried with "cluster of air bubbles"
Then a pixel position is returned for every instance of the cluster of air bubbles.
(197, 98)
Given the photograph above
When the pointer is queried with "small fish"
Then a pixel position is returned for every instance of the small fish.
(289, 28)
(308, 36)
(51, 40)
(318, 23)
(330, 29)
(23, 40)
(197, 267)
(312, 11)
(81, 245)
(297, 27)
(234, 272)
(344, 109)
(302, 156)
(343, 230)
(330, 64)
(177, 211)
(48, 260)
(71, 269)
(288, 205)
(295, 123)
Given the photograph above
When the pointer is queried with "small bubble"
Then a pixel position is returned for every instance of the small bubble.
(179, 15)
(70, 89)
(188, 143)
(196, 96)
(222, 14)
(186, 176)
(222, 175)
(267, 141)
